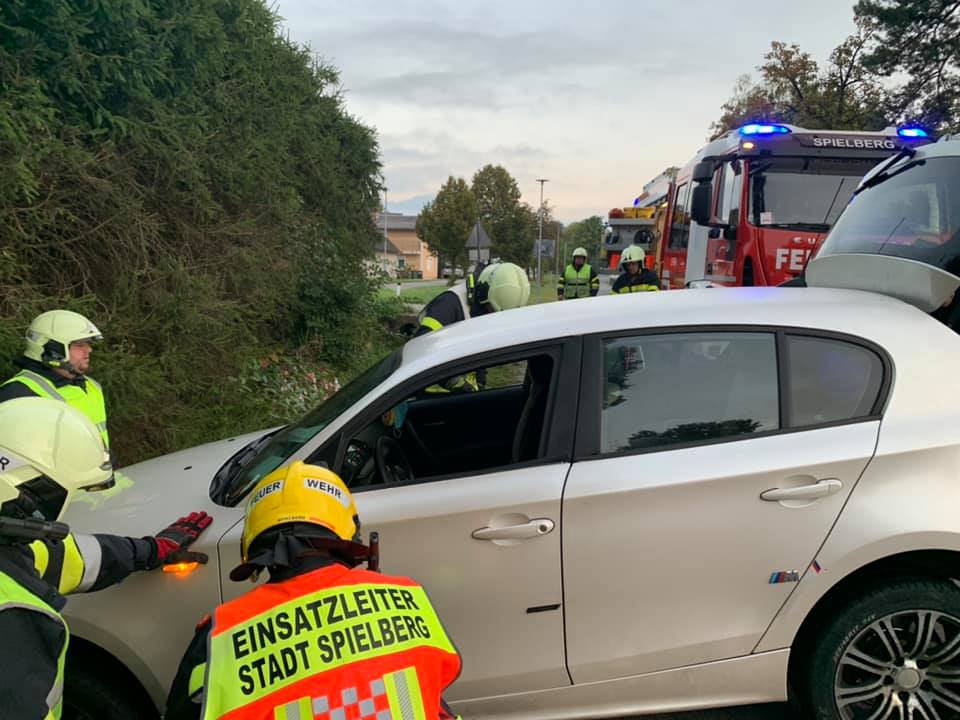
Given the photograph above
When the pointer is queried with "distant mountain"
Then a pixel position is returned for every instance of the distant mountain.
(410, 206)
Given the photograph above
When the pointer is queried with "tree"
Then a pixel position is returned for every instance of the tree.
(510, 223)
(793, 88)
(189, 178)
(919, 39)
(445, 223)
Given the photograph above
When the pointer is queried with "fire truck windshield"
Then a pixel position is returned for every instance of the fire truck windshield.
(914, 213)
(802, 193)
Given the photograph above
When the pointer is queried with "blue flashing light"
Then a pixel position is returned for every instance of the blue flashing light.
(758, 129)
(912, 132)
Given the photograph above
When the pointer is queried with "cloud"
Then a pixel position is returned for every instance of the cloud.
(599, 97)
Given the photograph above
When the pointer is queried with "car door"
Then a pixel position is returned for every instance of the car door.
(710, 466)
(485, 544)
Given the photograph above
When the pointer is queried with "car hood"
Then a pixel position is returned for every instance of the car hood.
(152, 494)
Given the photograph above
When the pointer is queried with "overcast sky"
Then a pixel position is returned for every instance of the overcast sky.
(598, 97)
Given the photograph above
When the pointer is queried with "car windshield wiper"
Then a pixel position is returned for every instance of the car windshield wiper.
(811, 226)
(885, 170)
(237, 462)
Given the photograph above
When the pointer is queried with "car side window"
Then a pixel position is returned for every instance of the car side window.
(680, 231)
(480, 419)
(678, 388)
(831, 380)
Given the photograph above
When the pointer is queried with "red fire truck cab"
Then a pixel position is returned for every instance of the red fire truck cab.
(752, 206)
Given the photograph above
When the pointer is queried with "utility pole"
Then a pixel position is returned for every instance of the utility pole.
(542, 181)
(384, 221)
(556, 254)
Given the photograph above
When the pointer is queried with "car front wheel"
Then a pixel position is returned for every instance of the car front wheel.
(894, 653)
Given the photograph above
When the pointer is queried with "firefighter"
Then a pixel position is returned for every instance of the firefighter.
(635, 278)
(50, 452)
(499, 286)
(55, 363)
(579, 279)
(322, 638)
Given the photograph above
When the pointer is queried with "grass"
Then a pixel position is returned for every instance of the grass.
(409, 293)
(413, 295)
(547, 292)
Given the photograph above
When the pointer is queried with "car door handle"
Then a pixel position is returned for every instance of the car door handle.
(532, 529)
(817, 490)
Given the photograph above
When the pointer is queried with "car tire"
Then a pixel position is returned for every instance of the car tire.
(893, 647)
(89, 696)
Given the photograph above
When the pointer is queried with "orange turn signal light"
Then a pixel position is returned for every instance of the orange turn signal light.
(748, 145)
(181, 568)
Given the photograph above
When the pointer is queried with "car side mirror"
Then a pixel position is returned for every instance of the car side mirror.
(700, 207)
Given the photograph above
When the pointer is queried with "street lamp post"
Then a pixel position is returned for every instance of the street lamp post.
(542, 181)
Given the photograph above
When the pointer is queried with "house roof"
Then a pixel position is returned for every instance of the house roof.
(396, 221)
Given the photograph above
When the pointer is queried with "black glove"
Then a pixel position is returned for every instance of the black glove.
(173, 541)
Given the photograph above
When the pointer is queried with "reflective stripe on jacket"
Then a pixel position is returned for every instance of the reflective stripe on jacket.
(449, 307)
(14, 596)
(89, 401)
(335, 643)
(644, 281)
(578, 283)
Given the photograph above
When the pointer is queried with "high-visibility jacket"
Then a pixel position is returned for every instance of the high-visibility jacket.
(13, 596)
(329, 644)
(578, 283)
(644, 281)
(88, 400)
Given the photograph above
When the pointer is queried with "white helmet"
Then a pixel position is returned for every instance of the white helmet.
(51, 333)
(49, 451)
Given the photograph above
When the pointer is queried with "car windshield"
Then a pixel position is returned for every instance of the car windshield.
(241, 472)
(803, 193)
(914, 214)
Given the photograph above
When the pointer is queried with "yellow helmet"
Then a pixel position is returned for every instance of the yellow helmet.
(51, 333)
(503, 286)
(49, 451)
(580, 252)
(300, 493)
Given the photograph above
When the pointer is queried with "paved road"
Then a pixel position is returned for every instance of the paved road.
(414, 284)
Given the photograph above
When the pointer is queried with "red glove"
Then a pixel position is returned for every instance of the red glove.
(173, 541)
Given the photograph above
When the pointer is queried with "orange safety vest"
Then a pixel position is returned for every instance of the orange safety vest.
(331, 644)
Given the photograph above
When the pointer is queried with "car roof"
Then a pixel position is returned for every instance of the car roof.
(868, 315)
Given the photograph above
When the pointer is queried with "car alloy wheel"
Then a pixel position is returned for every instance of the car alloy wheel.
(904, 665)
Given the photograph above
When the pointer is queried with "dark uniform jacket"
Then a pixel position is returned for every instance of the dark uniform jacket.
(31, 642)
(445, 309)
(642, 281)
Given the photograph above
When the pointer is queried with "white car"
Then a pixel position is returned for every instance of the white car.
(659, 502)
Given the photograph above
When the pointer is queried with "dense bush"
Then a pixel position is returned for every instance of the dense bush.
(189, 178)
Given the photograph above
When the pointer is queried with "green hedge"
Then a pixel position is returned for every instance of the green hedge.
(190, 179)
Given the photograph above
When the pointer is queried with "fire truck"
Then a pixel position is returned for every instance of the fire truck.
(753, 205)
(640, 225)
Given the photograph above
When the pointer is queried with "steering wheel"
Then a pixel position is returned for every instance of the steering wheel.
(411, 432)
(392, 463)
